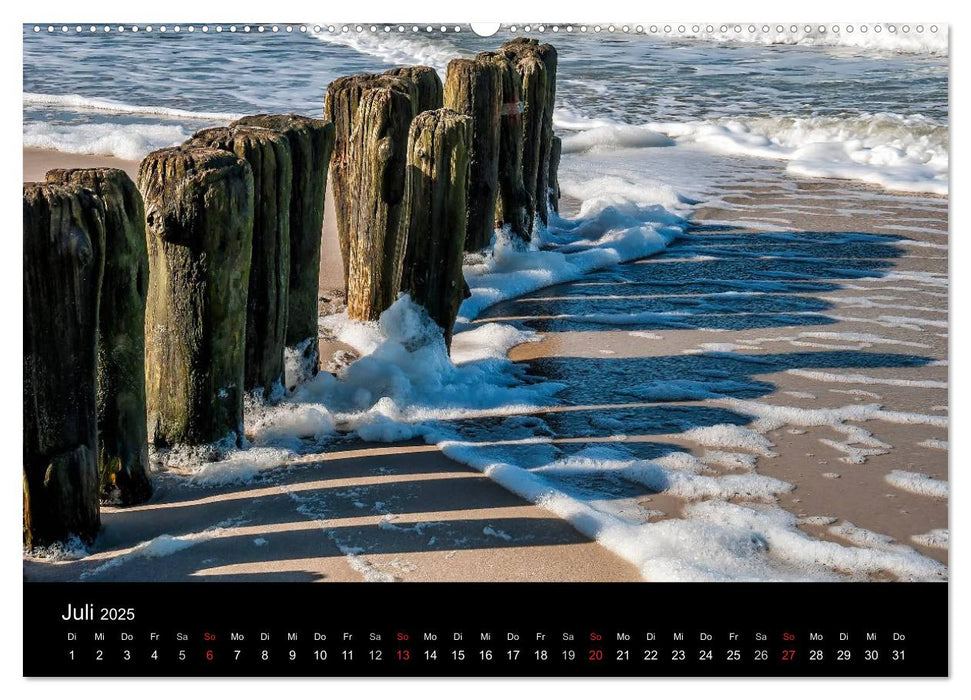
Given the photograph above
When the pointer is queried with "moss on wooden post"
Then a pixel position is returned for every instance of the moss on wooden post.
(199, 222)
(439, 155)
(311, 142)
(376, 242)
(268, 153)
(474, 88)
(122, 437)
(64, 241)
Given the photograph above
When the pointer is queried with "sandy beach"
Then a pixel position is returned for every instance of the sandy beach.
(856, 319)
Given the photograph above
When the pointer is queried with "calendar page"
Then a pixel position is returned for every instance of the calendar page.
(624, 335)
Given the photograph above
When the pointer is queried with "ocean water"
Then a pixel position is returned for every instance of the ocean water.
(867, 105)
(652, 126)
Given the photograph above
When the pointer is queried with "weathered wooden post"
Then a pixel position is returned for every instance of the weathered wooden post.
(423, 85)
(376, 241)
(64, 242)
(268, 154)
(439, 155)
(340, 108)
(474, 88)
(532, 73)
(122, 437)
(199, 221)
(311, 142)
(424, 90)
(511, 199)
(556, 151)
(536, 64)
(549, 57)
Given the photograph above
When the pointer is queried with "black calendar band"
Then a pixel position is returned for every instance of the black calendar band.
(472, 629)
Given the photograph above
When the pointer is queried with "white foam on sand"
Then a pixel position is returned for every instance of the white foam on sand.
(620, 219)
(714, 541)
(864, 379)
(237, 466)
(858, 444)
(915, 482)
(862, 537)
(71, 549)
(938, 539)
(772, 417)
(668, 479)
(157, 547)
(731, 436)
(729, 460)
(866, 339)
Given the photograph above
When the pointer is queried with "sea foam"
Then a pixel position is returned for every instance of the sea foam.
(81, 103)
(126, 141)
(894, 151)
(397, 49)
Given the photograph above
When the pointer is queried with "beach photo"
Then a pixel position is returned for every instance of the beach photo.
(562, 302)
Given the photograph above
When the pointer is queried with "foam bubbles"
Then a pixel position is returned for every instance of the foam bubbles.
(126, 141)
(916, 482)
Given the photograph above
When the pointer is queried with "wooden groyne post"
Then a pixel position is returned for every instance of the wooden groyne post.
(64, 240)
(536, 64)
(423, 90)
(122, 435)
(268, 154)
(340, 108)
(439, 155)
(311, 142)
(199, 221)
(376, 240)
(511, 200)
(474, 88)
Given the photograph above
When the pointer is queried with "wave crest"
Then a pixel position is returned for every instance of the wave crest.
(80, 103)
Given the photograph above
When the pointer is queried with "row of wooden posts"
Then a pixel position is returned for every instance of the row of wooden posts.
(150, 310)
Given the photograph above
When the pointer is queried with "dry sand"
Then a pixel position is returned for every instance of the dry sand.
(406, 512)
(38, 161)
